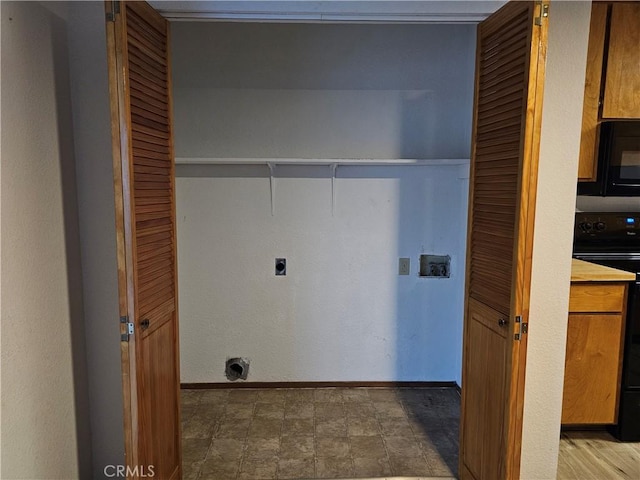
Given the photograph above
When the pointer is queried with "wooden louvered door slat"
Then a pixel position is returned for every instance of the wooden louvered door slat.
(138, 42)
(510, 57)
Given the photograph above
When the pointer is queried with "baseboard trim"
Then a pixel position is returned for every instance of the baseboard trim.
(588, 427)
(213, 386)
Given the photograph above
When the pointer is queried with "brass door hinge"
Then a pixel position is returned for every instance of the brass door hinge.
(543, 12)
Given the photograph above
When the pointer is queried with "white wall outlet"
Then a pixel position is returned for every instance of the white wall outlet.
(404, 266)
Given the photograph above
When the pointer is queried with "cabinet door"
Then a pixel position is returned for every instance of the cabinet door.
(592, 368)
(622, 86)
(587, 167)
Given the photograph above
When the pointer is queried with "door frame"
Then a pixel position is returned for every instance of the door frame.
(124, 253)
(523, 295)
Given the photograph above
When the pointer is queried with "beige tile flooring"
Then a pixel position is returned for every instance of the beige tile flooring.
(258, 434)
(596, 455)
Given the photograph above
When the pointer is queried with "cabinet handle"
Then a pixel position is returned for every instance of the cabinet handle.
(502, 322)
(144, 324)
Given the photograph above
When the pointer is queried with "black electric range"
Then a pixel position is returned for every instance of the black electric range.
(613, 240)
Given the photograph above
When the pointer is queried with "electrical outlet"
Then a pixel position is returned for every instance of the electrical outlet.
(281, 266)
(404, 266)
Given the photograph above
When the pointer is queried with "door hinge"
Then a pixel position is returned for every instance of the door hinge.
(124, 337)
(543, 12)
(115, 9)
(521, 327)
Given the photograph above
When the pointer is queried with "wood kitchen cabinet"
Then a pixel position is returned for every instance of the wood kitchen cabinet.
(622, 84)
(595, 335)
(588, 164)
(612, 80)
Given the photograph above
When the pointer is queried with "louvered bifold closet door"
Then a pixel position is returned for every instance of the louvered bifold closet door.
(152, 166)
(501, 104)
(510, 56)
(139, 58)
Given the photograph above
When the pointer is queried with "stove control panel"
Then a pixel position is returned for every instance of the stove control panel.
(607, 225)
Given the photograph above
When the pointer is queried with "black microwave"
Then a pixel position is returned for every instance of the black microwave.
(618, 161)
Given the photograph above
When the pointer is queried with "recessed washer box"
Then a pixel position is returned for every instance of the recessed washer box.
(435, 266)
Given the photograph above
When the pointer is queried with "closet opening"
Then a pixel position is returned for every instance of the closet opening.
(342, 149)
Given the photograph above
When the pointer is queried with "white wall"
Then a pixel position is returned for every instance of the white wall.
(321, 91)
(559, 150)
(58, 176)
(92, 135)
(45, 432)
(342, 313)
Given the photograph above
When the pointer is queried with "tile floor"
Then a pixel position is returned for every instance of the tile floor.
(255, 434)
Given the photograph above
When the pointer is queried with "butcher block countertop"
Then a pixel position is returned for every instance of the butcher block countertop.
(582, 271)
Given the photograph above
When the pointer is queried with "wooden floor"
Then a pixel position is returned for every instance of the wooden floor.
(596, 455)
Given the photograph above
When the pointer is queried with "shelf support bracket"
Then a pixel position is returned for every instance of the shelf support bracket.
(272, 185)
(333, 167)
